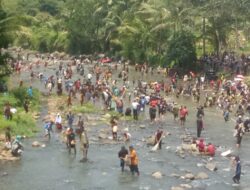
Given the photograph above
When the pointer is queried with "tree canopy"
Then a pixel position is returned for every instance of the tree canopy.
(140, 30)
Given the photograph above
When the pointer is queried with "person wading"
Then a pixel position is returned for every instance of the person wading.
(84, 145)
(134, 160)
(122, 155)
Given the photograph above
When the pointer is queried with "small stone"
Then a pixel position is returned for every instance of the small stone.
(157, 175)
(36, 144)
(177, 188)
(201, 175)
(4, 174)
(102, 136)
(186, 186)
(175, 175)
(189, 176)
(211, 166)
(104, 173)
(200, 165)
(142, 126)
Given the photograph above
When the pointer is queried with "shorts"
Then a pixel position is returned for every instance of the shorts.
(183, 118)
(134, 168)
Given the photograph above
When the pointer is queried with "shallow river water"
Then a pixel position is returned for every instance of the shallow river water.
(53, 168)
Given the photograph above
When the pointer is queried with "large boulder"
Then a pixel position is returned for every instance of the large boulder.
(6, 155)
(201, 175)
(151, 140)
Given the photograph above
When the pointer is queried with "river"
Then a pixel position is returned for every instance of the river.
(53, 168)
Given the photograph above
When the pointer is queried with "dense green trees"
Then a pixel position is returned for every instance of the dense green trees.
(140, 30)
(8, 25)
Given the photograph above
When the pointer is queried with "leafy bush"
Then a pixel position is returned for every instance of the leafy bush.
(21, 124)
(181, 52)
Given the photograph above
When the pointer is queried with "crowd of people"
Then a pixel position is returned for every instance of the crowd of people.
(86, 79)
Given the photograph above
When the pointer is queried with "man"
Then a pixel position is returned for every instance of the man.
(135, 105)
(16, 147)
(30, 92)
(70, 118)
(122, 155)
(183, 113)
(48, 129)
(26, 105)
(199, 125)
(200, 111)
(134, 160)
(158, 137)
(84, 144)
(236, 177)
(71, 142)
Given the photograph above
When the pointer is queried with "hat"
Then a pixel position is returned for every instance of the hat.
(131, 146)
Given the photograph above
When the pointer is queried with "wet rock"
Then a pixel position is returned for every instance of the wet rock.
(36, 144)
(200, 165)
(211, 166)
(6, 155)
(177, 188)
(186, 186)
(175, 175)
(198, 184)
(102, 136)
(151, 141)
(189, 176)
(201, 175)
(4, 174)
(142, 126)
(186, 147)
(157, 175)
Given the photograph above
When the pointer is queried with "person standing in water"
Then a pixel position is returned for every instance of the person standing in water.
(71, 142)
(134, 160)
(200, 125)
(84, 144)
(236, 177)
(122, 155)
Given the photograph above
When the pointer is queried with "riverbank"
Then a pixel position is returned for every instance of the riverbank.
(20, 123)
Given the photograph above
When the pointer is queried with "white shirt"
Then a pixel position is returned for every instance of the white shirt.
(89, 76)
(135, 105)
(58, 119)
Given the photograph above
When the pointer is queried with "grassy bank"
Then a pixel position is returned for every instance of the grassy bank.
(22, 123)
(86, 108)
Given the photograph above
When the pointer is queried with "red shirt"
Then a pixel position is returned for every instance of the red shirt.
(183, 112)
(211, 150)
(201, 146)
